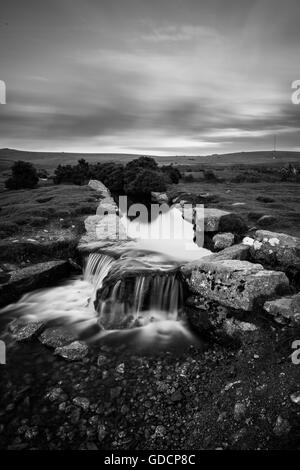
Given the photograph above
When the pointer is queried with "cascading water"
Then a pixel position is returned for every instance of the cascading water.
(132, 298)
(96, 268)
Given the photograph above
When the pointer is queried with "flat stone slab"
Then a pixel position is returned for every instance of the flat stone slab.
(56, 337)
(73, 351)
(275, 249)
(32, 277)
(22, 330)
(284, 309)
(233, 283)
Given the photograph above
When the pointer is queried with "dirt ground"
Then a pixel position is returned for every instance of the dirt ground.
(238, 397)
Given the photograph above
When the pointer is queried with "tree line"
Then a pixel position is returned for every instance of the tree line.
(139, 176)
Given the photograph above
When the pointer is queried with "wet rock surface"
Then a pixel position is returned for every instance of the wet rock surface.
(223, 398)
(73, 351)
(57, 336)
(22, 330)
(32, 277)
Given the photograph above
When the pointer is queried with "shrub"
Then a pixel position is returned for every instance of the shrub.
(24, 176)
(111, 174)
(145, 163)
(210, 175)
(142, 175)
(76, 174)
(188, 178)
(172, 174)
(42, 173)
(144, 182)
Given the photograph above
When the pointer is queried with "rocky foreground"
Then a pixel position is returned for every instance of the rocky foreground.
(241, 395)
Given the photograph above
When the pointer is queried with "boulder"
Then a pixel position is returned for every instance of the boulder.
(73, 351)
(233, 283)
(255, 215)
(159, 198)
(285, 309)
(233, 327)
(266, 220)
(32, 277)
(206, 198)
(190, 198)
(103, 228)
(57, 336)
(111, 227)
(223, 240)
(238, 252)
(99, 187)
(107, 206)
(215, 220)
(90, 224)
(60, 247)
(23, 330)
(275, 249)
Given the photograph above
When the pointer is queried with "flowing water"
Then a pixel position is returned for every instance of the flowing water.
(131, 298)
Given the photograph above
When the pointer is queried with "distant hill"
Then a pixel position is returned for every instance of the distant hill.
(50, 160)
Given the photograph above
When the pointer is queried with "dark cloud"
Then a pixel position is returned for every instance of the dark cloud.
(170, 76)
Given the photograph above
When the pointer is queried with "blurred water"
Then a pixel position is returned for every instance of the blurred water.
(155, 328)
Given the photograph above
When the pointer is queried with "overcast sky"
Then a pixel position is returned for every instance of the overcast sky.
(146, 76)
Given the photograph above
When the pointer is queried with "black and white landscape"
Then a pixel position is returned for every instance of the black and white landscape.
(149, 226)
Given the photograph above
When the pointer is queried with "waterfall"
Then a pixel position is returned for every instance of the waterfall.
(96, 268)
(131, 294)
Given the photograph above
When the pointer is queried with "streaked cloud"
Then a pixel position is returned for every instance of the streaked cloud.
(176, 33)
(170, 77)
